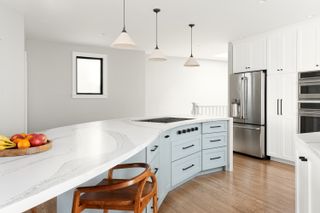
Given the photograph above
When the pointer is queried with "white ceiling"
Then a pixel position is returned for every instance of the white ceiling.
(98, 22)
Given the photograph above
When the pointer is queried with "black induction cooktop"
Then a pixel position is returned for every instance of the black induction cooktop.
(165, 120)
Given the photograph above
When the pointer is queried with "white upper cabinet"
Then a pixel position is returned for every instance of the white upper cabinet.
(282, 51)
(309, 47)
(250, 55)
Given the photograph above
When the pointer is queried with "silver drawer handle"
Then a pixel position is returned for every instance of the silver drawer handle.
(216, 158)
(215, 127)
(184, 169)
(215, 140)
(187, 147)
(155, 148)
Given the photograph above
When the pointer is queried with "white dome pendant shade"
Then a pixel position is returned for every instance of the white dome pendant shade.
(124, 41)
(157, 54)
(191, 61)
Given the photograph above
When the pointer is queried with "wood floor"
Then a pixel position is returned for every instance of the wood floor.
(254, 186)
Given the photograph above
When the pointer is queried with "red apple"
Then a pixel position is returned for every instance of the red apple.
(36, 141)
(43, 138)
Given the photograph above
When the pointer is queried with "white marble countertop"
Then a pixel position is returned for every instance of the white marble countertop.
(312, 140)
(80, 153)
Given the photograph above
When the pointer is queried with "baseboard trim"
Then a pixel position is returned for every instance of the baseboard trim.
(279, 160)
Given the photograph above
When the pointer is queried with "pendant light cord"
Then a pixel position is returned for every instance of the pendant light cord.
(157, 30)
(191, 42)
(124, 16)
(191, 26)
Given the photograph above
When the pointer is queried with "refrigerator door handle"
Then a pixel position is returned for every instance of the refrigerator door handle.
(277, 106)
(241, 99)
(245, 91)
(246, 127)
(280, 106)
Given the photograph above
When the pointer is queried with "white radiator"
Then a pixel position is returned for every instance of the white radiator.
(209, 110)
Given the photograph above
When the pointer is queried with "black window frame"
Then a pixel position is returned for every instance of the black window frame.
(101, 74)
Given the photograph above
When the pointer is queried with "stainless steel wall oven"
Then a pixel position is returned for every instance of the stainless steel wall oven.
(309, 85)
(309, 117)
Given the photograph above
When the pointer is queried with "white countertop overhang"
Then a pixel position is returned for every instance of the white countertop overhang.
(79, 153)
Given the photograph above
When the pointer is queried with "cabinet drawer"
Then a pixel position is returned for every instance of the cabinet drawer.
(153, 150)
(183, 148)
(214, 158)
(215, 126)
(214, 140)
(155, 165)
(186, 168)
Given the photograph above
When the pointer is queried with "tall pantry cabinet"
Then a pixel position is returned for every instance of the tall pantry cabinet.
(281, 94)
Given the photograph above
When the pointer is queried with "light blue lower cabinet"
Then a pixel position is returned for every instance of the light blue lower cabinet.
(183, 148)
(214, 158)
(214, 140)
(185, 168)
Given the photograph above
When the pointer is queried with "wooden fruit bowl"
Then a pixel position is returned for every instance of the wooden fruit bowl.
(27, 151)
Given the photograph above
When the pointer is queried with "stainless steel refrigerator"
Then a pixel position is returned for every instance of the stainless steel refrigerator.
(247, 98)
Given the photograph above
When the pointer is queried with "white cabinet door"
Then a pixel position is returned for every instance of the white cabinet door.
(289, 51)
(282, 52)
(275, 52)
(307, 47)
(241, 56)
(281, 115)
(274, 121)
(302, 185)
(250, 55)
(258, 54)
(288, 111)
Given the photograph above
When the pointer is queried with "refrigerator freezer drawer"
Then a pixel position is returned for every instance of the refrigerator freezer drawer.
(249, 139)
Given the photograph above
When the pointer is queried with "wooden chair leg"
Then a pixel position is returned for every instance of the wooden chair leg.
(155, 203)
(76, 202)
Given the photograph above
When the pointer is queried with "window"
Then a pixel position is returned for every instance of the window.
(89, 75)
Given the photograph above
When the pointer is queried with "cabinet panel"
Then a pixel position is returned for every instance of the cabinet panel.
(258, 54)
(289, 51)
(214, 158)
(282, 52)
(152, 150)
(282, 115)
(214, 140)
(250, 55)
(215, 126)
(275, 50)
(186, 168)
(165, 165)
(241, 56)
(184, 148)
(307, 47)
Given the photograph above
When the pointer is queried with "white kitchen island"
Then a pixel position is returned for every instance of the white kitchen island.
(80, 153)
(308, 173)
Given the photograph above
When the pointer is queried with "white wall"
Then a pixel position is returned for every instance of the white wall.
(171, 87)
(12, 73)
(50, 85)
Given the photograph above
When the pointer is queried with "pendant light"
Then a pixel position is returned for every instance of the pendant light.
(191, 62)
(157, 54)
(124, 41)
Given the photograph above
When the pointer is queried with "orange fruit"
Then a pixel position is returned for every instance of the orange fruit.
(23, 143)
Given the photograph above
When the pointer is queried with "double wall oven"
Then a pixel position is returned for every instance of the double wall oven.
(309, 102)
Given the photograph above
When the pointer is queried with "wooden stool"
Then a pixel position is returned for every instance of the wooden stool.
(119, 194)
